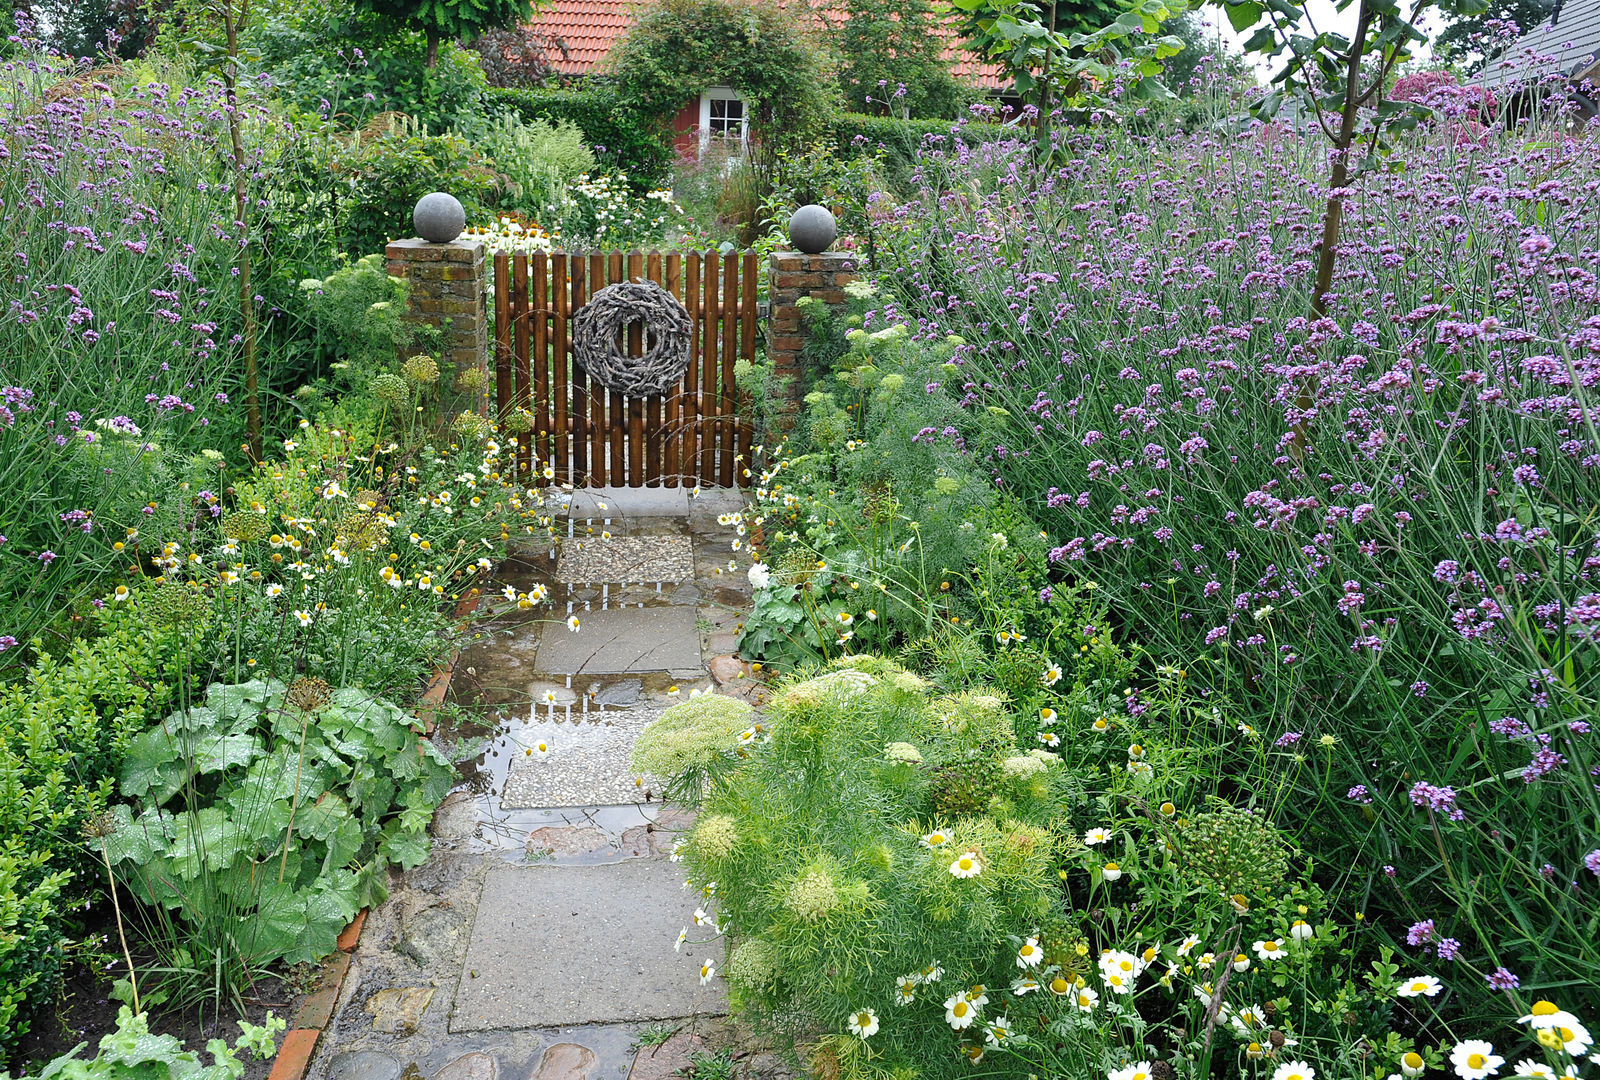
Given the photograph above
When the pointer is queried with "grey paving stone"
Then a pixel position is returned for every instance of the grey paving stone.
(626, 558)
(565, 945)
(615, 502)
(621, 642)
(587, 764)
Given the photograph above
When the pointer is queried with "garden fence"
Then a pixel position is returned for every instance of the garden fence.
(583, 434)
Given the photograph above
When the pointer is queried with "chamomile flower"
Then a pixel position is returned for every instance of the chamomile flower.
(1269, 949)
(1568, 1036)
(959, 1013)
(120, 593)
(1097, 836)
(683, 935)
(864, 1023)
(1241, 962)
(1118, 970)
(1294, 1070)
(274, 589)
(999, 1032)
(1300, 930)
(703, 919)
(1139, 1070)
(303, 617)
(936, 838)
(905, 990)
(1047, 716)
(1411, 1063)
(572, 623)
(1111, 871)
(1049, 739)
(1475, 1059)
(708, 971)
(1421, 986)
(1086, 999)
(967, 866)
(1186, 946)
(1534, 1068)
(541, 749)
(930, 974)
(1030, 955)
(1027, 984)
(1052, 675)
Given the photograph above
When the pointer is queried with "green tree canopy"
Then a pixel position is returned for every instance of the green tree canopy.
(882, 45)
(455, 19)
(678, 48)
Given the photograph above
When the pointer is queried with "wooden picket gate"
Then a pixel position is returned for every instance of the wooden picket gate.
(589, 436)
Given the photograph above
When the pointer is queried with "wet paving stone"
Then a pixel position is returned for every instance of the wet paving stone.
(615, 642)
(592, 944)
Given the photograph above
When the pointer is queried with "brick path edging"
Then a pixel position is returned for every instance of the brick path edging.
(316, 1011)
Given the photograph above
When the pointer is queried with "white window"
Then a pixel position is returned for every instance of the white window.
(723, 115)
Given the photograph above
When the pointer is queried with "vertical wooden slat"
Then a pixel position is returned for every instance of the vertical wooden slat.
(582, 460)
(705, 472)
(556, 364)
(616, 410)
(635, 404)
(599, 400)
(730, 354)
(669, 401)
(502, 338)
(652, 404)
(693, 300)
(747, 351)
(519, 329)
(539, 359)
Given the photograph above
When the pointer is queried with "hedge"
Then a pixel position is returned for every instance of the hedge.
(622, 137)
(901, 139)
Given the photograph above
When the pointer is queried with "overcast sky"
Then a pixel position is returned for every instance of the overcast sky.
(1323, 13)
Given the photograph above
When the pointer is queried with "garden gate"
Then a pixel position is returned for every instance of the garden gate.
(693, 434)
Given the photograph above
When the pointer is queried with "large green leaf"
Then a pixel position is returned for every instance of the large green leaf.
(217, 753)
(205, 840)
(152, 766)
(138, 839)
(405, 849)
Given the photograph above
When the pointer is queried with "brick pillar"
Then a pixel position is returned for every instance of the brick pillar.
(792, 275)
(449, 287)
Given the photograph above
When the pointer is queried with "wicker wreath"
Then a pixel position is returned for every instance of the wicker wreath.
(599, 326)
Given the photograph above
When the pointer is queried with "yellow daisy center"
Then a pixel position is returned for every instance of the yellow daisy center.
(958, 1009)
(1544, 1008)
(1476, 1061)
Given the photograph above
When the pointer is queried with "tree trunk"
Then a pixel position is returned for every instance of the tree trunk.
(433, 48)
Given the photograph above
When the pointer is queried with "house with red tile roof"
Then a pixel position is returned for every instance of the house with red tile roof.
(584, 31)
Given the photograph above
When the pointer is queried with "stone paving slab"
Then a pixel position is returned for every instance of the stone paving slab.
(619, 642)
(587, 764)
(560, 945)
(614, 502)
(625, 559)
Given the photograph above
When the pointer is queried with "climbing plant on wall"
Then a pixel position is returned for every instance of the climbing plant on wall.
(678, 48)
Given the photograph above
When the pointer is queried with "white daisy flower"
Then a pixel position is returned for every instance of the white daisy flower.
(1030, 955)
(959, 1013)
(1421, 986)
(864, 1023)
(1097, 836)
(1475, 1059)
(967, 866)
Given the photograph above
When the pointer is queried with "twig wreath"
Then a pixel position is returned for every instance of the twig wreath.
(598, 328)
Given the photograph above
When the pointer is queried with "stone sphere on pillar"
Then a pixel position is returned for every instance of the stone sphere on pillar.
(812, 229)
(439, 217)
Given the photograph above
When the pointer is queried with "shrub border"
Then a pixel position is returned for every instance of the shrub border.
(316, 1011)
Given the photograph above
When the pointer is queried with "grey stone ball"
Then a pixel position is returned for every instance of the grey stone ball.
(812, 229)
(439, 217)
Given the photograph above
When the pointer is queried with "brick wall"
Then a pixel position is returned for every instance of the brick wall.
(792, 275)
(449, 286)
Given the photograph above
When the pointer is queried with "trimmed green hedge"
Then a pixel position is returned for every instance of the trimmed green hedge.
(857, 133)
(622, 137)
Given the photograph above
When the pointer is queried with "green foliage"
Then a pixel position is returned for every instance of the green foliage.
(690, 740)
(349, 70)
(356, 318)
(678, 48)
(389, 172)
(621, 136)
(449, 19)
(267, 824)
(535, 159)
(896, 141)
(62, 729)
(132, 1053)
(890, 59)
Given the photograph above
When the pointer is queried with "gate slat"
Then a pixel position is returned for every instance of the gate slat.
(669, 419)
(692, 295)
(538, 360)
(705, 471)
(652, 404)
(616, 410)
(599, 399)
(747, 350)
(730, 353)
(580, 390)
(502, 338)
(519, 327)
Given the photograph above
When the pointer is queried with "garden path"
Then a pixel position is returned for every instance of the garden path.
(537, 941)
